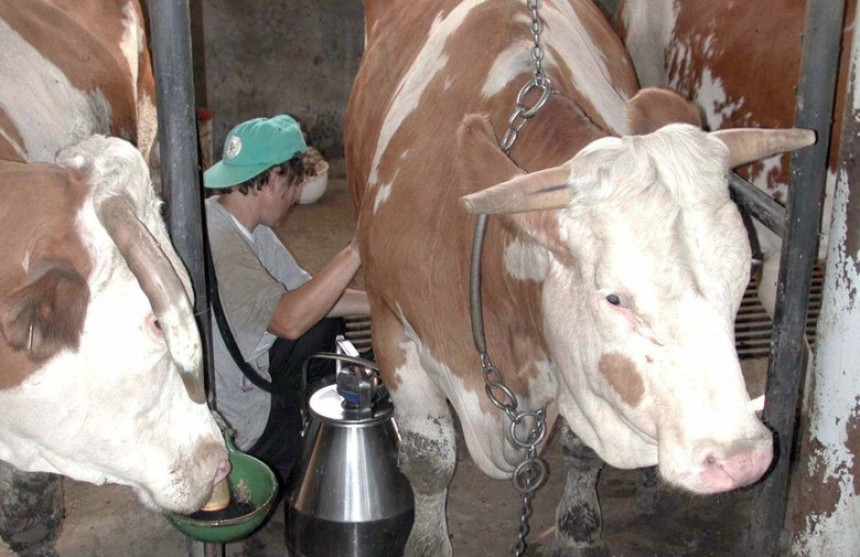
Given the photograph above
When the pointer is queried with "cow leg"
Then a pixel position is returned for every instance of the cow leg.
(427, 451)
(578, 519)
(31, 509)
(427, 455)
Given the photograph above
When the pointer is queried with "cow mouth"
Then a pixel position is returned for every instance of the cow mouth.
(714, 467)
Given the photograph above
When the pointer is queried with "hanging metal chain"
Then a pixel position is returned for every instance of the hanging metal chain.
(529, 475)
(528, 427)
(540, 81)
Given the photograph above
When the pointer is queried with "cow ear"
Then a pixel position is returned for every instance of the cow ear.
(538, 191)
(481, 161)
(47, 314)
(652, 108)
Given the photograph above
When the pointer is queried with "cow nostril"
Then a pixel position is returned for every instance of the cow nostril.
(222, 471)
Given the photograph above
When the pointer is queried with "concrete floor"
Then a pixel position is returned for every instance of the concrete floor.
(107, 521)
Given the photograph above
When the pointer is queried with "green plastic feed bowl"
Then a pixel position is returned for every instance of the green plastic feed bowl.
(251, 481)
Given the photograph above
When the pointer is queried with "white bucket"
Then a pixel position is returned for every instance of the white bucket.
(314, 187)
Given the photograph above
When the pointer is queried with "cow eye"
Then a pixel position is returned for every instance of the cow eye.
(613, 299)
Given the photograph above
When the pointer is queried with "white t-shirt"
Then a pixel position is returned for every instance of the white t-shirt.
(253, 270)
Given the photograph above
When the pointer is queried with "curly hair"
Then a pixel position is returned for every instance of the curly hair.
(298, 168)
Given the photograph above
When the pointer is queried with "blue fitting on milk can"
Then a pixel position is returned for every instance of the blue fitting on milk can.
(351, 500)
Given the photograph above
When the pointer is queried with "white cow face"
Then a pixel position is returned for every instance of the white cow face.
(116, 410)
(648, 261)
(116, 405)
(640, 313)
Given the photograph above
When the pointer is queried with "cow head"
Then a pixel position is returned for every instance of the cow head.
(644, 263)
(103, 377)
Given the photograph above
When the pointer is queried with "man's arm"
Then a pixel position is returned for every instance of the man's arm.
(325, 294)
(353, 302)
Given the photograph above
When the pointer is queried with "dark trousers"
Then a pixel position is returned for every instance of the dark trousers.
(280, 444)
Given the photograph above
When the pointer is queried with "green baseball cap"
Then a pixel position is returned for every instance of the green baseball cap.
(253, 147)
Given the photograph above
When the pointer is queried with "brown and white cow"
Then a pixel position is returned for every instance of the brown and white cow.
(739, 62)
(70, 70)
(102, 360)
(613, 265)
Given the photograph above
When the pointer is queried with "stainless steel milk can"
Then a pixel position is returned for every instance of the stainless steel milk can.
(351, 500)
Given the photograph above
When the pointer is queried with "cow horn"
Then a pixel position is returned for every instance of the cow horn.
(538, 191)
(751, 144)
(162, 286)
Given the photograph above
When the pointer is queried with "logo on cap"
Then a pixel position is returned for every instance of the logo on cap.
(233, 147)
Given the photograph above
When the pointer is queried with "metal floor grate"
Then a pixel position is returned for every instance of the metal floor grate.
(753, 325)
(358, 332)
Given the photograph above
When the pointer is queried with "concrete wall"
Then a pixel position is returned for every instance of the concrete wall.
(264, 57)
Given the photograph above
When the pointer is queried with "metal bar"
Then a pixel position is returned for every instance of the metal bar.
(170, 27)
(815, 96)
(758, 204)
(177, 134)
(826, 510)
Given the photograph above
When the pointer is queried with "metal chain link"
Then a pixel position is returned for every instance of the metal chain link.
(540, 81)
(529, 475)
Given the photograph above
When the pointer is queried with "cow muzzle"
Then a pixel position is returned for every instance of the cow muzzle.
(723, 468)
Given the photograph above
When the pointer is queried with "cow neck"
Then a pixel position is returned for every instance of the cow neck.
(529, 475)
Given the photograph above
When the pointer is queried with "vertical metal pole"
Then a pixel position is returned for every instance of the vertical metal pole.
(177, 134)
(799, 250)
(827, 509)
(170, 27)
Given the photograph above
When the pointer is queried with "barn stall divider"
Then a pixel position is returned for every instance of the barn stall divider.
(170, 31)
(798, 224)
(826, 508)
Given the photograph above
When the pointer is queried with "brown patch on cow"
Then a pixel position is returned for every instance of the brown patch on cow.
(651, 109)
(43, 266)
(478, 159)
(546, 141)
(8, 152)
(46, 315)
(386, 332)
(620, 371)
